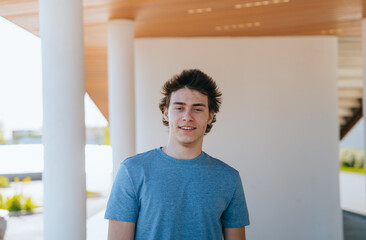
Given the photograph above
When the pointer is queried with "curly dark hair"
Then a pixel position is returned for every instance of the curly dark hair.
(196, 80)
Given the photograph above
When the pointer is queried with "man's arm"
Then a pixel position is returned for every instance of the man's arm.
(120, 230)
(234, 233)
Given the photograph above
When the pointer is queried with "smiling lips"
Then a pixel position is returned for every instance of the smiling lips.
(187, 128)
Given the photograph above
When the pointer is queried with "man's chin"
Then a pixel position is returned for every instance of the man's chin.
(188, 142)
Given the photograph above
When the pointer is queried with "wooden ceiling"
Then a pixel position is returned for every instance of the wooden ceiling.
(192, 18)
(187, 18)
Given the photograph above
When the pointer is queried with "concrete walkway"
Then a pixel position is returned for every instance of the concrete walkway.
(97, 227)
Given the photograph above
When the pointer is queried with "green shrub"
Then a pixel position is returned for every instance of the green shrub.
(352, 160)
(14, 204)
(350, 157)
(4, 182)
(2, 202)
(18, 201)
(29, 204)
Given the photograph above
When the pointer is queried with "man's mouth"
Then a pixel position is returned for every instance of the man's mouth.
(187, 128)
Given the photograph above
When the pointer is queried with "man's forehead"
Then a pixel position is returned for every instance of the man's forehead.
(188, 96)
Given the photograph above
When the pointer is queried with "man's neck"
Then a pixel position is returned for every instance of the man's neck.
(182, 152)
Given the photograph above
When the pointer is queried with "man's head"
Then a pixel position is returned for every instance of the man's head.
(194, 80)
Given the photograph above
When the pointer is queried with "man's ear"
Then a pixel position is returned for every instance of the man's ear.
(210, 117)
(165, 114)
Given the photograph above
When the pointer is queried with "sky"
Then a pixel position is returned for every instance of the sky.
(21, 82)
(356, 137)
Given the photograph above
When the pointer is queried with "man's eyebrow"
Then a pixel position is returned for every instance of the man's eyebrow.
(179, 103)
(199, 105)
(195, 104)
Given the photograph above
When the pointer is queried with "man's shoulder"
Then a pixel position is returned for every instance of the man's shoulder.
(222, 166)
(139, 159)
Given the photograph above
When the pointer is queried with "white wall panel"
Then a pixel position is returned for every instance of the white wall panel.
(278, 125)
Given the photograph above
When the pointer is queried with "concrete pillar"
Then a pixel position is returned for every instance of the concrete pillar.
(61, 29)
(121, 90)
(363, 35)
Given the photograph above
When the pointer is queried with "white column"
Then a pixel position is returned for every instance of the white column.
(61, 28)
(121, 90)
(363, 36)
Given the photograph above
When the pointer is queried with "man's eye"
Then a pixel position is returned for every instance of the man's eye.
(198, 110)
(178, 108)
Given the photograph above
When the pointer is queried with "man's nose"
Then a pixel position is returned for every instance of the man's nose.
(187, 115)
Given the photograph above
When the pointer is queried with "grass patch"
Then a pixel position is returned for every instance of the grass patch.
(93, 194)
(352, 169)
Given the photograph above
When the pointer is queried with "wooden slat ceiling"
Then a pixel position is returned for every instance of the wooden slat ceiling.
(159, 18)
(207, 18)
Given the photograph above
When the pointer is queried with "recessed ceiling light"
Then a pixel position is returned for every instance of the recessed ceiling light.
(199, 10)
(331, 31)
(237, 26)
(260, 3)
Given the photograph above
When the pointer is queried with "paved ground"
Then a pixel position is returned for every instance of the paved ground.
(354, 226)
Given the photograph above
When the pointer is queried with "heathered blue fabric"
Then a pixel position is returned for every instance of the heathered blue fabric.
(177, 199)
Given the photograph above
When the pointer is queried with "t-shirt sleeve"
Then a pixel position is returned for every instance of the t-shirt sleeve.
(122, 204)
(236, 214)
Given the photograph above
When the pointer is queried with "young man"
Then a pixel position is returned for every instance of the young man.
(178, 191)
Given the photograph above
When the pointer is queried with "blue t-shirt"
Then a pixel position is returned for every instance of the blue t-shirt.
(169, 198)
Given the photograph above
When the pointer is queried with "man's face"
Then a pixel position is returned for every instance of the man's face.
(188, 115)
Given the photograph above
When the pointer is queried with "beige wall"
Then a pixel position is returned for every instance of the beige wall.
(278, 124)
